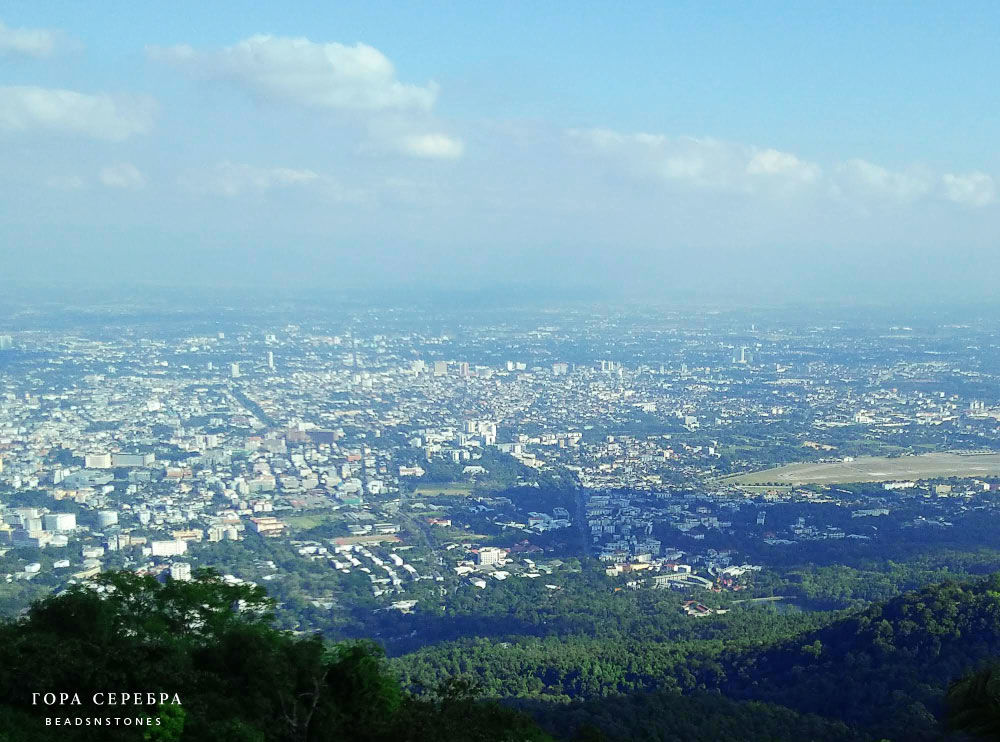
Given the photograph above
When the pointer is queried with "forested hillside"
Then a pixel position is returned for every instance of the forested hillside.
(887, 668)
(881, 673)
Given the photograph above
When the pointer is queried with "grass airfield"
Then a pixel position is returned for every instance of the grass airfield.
(876, 469)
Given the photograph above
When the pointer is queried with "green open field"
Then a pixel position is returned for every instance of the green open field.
(876, 469)
(449, 489)
(305, 522)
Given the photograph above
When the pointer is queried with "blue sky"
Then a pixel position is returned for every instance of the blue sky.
(387, 143)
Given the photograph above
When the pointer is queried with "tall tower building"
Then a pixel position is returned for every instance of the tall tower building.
(234, 370)
(270, 360)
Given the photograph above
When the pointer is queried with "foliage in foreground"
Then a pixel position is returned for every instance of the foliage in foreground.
(238, 679)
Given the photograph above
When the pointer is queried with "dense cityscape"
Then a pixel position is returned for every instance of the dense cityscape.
(406, 458)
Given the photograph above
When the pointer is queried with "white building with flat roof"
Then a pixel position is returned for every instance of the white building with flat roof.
(59, 521)
(175, 547)
(491, 555)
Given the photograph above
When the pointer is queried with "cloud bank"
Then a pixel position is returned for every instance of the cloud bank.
(100, 116)
(701, 163)
(706, 164)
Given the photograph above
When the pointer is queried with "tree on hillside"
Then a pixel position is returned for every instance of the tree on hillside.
(238, 679)
(974, 704)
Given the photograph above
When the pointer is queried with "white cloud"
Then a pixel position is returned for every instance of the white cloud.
(29, 42)
(430, 146)
(315, 75)
(971, 189)
(122, 175)
(707, 164)
(101, 116)
(862, 179)
(771, 162)
(701, 162)
(233, 179)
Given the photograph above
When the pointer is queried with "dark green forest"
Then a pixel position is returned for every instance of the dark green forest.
(916, 667)
(237, 678)
(879, 673)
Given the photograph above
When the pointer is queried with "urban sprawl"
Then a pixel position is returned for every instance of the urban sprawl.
(404, 457)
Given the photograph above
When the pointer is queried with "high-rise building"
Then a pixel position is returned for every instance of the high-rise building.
(440, 368)
(6, 342)
(234, 370)
(180, 571)
(270, 360)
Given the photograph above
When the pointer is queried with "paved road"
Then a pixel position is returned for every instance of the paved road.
(581, 521)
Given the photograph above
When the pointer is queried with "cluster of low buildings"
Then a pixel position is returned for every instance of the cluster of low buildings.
(130, 450)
